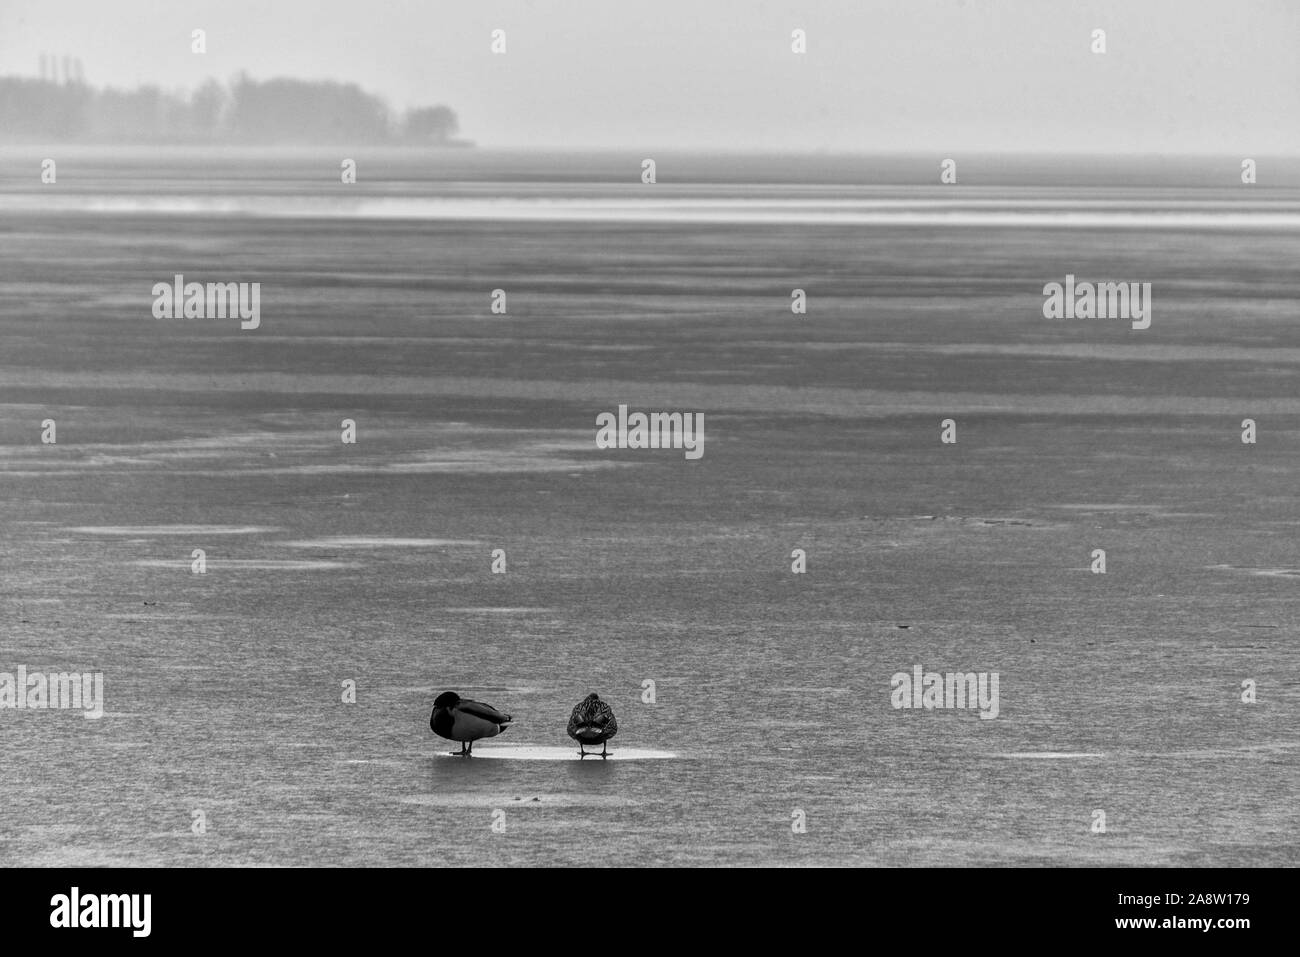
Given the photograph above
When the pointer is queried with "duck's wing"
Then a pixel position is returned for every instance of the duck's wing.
(604, 718)
(577, 719)
(485, 711)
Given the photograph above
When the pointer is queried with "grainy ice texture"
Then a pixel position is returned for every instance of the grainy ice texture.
(371, 562)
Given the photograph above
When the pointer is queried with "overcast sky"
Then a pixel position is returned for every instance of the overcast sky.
(946, 75)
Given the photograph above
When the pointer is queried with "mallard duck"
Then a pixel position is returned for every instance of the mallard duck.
(455, 719)
(592, 722)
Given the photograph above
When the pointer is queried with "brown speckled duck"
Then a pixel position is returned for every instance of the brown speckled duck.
(592, 722)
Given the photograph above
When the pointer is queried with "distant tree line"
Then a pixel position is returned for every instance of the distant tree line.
(245, 111)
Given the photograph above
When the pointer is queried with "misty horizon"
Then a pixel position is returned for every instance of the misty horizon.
(393, 131)
(876, 77)
(245, 110)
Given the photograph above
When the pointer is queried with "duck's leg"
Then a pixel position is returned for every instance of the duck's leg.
(461, 752)
(604, 745)
(581, 751)
(470, 752)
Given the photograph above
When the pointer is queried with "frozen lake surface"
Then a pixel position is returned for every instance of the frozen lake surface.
(371, 563)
